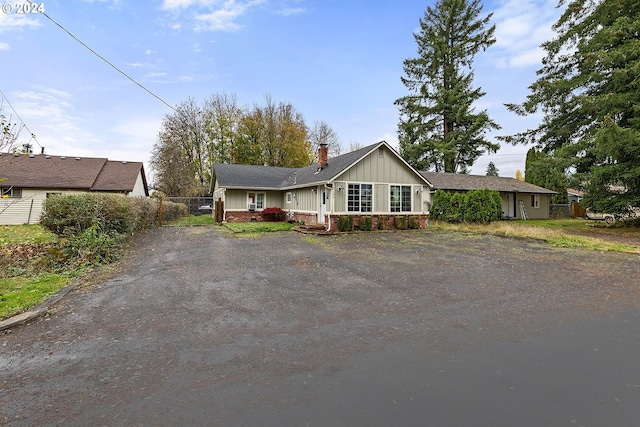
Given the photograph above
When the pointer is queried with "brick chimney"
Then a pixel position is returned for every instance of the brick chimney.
(323, 156)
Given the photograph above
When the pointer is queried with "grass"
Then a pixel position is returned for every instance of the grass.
(258, 227)
(32, 233)
(20, 293)
(574, 233)
(193, 220)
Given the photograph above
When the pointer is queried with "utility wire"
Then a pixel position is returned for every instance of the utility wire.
(105, 60)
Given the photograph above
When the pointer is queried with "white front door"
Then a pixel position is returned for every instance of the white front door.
(322, 196)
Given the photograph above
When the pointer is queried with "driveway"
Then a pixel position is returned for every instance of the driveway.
(371, 329)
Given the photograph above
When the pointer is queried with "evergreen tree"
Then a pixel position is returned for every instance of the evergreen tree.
(439, 127)
(588, 90)
(492, 170)
(545, 171)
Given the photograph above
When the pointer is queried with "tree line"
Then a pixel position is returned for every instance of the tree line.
(196, 136)
(587, 90)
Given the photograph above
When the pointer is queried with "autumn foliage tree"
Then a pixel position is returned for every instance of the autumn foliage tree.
(194, 137)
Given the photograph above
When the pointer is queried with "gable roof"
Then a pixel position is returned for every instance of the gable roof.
(271, 177)
(73, 173)
(465, 182)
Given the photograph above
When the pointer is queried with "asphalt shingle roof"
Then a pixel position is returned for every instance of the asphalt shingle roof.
(462, 182)
(270, 177)
(62, 172)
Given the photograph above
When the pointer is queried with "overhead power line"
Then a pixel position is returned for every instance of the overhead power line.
(107, 61)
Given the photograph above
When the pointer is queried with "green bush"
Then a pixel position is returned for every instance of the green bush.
(400, 222)
(345, 223)
(72, 214)
(93, 247)
(414, 223)
(383, 222)
(172, 211)
(366, 223)
(474, 206)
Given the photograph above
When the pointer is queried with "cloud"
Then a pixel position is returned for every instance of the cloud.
(290, 11)
(210, 15)
(521, 27)
(15, 22)
(4, 46)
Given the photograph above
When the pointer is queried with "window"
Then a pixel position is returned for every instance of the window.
(255, 200)
(535, 200)
(289, 197)
(359, 197)
(11, 192)
(400, 197)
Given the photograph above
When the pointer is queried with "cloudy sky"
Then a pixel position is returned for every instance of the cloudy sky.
(339, 61)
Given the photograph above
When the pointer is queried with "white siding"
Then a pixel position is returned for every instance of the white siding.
(25, 210)
(138, 188)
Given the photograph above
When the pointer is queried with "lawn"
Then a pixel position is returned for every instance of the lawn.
(32, 233)
(17, 294)
(190, 220)
(258, 227)
(582, 233)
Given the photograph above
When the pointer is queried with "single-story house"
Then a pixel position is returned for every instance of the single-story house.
(26, 180)
(373, 181)
(518, 197)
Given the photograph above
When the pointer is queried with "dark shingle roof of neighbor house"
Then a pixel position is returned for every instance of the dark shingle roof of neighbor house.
(462, 182)
(74, 173)
(269, 177)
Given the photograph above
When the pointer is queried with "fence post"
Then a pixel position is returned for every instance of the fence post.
(219, 209)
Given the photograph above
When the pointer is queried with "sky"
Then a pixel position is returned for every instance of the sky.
(337, 61)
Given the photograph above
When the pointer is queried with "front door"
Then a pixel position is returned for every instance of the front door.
(322, 195)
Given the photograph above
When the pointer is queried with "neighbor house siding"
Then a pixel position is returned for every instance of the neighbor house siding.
(138, 188)
(28, 208)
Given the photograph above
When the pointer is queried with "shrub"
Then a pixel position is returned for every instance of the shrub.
(414, 223)
(474, 206)
(400, 222)
(273, 214)
(366, 223)
(383, 222)
(72, 214)
(345, 223)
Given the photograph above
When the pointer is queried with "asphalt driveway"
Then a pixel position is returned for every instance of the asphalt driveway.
(372, 329)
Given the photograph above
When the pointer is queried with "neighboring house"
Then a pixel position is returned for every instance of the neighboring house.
(373, 181)
(516, 195)
(574, 195)
(26, 180)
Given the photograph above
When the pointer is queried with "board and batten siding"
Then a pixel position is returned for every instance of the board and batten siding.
(380, 166)
(237, 199)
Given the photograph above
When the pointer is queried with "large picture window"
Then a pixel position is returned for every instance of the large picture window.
(360, 197)
(400, 197)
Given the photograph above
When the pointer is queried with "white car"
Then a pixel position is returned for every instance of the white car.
(610, 218)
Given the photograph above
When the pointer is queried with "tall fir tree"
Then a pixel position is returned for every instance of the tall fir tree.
(588, 91)
(439, 128)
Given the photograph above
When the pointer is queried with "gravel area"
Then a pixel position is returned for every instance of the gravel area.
(405, 328)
